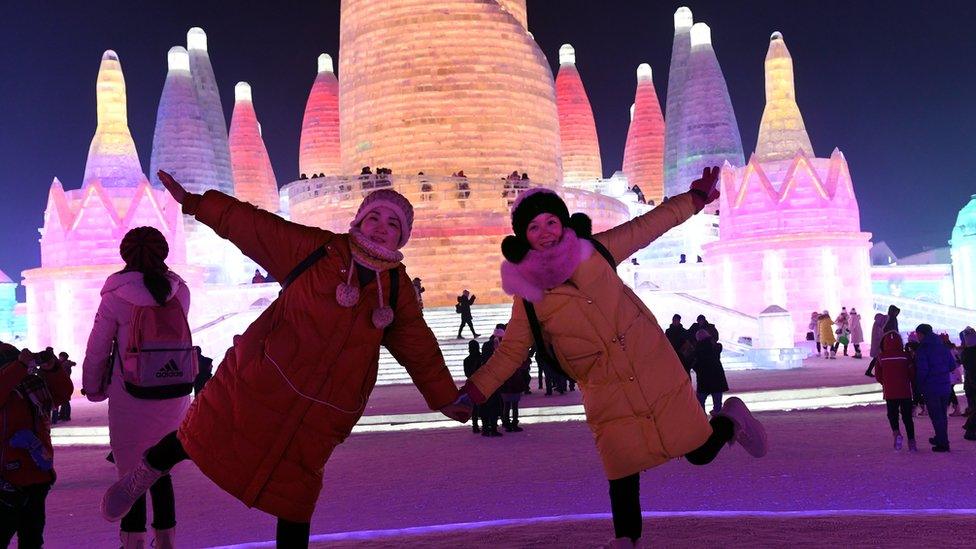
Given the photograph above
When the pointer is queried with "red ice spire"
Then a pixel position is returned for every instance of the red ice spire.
(577, 129)
(319, 148)
(644, 152)
(254, 179)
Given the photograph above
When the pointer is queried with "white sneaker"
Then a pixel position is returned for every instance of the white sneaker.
(120, 497)
(749, 432)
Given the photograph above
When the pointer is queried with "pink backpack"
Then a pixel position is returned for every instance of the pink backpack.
(160, 361)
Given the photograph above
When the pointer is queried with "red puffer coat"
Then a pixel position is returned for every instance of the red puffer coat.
(895, 370)
(296, 382)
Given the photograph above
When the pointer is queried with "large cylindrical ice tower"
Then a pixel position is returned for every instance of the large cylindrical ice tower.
(445, 85)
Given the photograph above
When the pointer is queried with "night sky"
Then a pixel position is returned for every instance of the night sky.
(890, 83)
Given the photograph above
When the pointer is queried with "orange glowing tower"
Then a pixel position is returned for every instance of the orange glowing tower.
(319, 149)
(445, 85)
(644, 151)
(577, 129)
(254, 179)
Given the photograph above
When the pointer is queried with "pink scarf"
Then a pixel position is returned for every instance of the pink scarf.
(543, 270)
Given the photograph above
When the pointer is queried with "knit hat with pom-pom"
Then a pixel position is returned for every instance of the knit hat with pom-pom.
(530, 204)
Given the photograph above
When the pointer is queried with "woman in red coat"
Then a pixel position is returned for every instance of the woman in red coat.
(296, 382)
(896, 372)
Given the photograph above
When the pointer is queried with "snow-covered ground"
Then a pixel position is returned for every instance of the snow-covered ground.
(837, 463)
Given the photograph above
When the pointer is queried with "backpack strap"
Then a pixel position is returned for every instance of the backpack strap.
(541, 351)
(312, 258)
(599, 247)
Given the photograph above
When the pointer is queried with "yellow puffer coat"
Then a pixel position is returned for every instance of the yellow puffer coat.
(826, 328)
(638, 398)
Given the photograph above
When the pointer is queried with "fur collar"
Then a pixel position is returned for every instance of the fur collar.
(543, 270)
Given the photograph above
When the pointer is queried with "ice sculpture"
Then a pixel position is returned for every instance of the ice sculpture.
(319, 148)
(577, 129)
(963, 250)
(208, 97)
(677, 73)
(644, 152)
(254, 179)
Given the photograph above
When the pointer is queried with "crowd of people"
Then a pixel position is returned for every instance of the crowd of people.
(848, 332)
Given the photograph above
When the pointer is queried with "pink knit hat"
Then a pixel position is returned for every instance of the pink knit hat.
(395, 201)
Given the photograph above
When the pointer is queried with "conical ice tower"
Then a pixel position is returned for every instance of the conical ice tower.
(112, 156)
(781, 133)
(182, 142)
(208, 97)
(254, 179)
(319, 149)
(680, 50)
(708, 134)
(644, 152)
(577, 129)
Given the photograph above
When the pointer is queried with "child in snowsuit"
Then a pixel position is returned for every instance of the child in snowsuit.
(638, 399)
(896, 374)
(31, 386)
(296, 381)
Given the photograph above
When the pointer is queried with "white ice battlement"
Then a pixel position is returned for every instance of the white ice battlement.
(701, 35)
(196, 39)
(683, 18)
(178, 59)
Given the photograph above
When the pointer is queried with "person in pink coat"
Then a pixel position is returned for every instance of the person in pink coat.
(135, 424)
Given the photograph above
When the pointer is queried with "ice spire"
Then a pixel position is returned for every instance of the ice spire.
(707, 132)
(644, 152)
(781, 133)
(112, 156)
(577, 129)
(254, 178)
(208, 96)
(680, 50)
(319, 147)
(182, 143)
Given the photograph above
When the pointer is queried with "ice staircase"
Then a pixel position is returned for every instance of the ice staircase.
(943, 318)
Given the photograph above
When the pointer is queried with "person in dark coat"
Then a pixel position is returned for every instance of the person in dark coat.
(205, 373)
(678, 337)
(933, 362)
(702, 323)
(464, 303)
(491, 410)
(968, 359)
(511, 393)
(471, 364)
(709, 374)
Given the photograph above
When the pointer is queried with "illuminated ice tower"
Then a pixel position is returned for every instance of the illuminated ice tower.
(790, 229)
(677, 73)
(254, 178)
(83, 228)
(444, 85)
(963, 249)
(208, 97)
(577, 129)
(707, 133)
(318, 152)
(644, 152)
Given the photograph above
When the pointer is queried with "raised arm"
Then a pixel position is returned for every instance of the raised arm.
(273, 243)
(627, 238)
(413, 345)
(507, 358)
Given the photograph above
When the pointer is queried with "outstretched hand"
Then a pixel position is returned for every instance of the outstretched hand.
(173, 186)
(708, 184)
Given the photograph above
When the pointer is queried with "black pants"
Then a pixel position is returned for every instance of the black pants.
(871, 365)
(903, 407)
(970, 389)
(163, 504)
(169, 451)
(466, 322)
(625, 492)
(28, 521)
(510, 413)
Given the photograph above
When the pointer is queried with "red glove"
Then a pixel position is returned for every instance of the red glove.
(705, 190)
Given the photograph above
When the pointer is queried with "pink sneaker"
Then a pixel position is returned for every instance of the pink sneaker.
(749, 432)
(120, 497)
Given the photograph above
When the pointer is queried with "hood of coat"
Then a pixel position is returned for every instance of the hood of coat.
(129, 287)
(892, 343)
(542, 270)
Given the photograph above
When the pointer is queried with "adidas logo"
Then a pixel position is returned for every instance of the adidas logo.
(170, 369)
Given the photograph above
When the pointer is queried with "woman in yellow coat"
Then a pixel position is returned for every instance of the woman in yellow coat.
(638, 400)
(826, 328)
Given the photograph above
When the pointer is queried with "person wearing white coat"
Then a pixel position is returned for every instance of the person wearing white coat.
(135, 424)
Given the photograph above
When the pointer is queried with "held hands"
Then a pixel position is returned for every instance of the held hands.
(706, 187)
(459, 410)
(172, 185)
